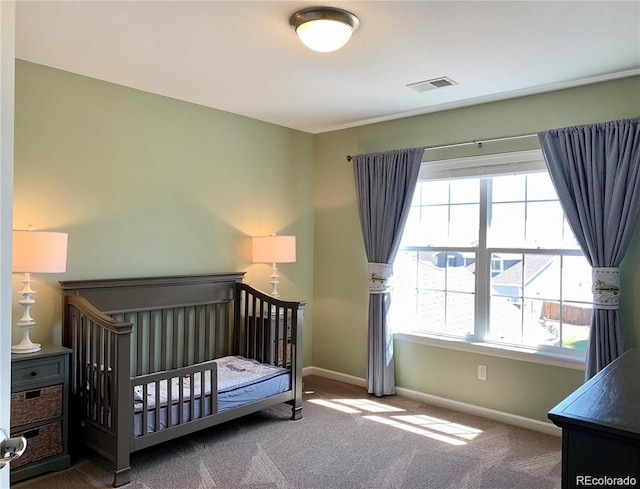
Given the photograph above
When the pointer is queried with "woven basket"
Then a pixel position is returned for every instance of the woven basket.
(36, 405)
(42, 442)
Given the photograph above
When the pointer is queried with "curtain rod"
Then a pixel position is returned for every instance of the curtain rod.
(477, 142)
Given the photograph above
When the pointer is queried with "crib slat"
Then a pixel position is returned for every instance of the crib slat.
(251, 347)
(139, 344)
(112, 391)
(277, 328)
(180, 399)
(203, 392)
(209, 311)
(175, 338)
(243, 346)
(92, 369)
(152, 341)
(145, 407)
(80, 371)
(102, 373)
(197, 345)
(192, 401)
(165, 343)
(286, 351)
(186, 335)
(158, 408)
(169, 396)
(227, 325)
(263, 318)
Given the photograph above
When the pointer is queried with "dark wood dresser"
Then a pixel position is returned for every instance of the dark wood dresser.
(601, 428)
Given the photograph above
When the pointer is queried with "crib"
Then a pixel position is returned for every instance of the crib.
(159, 358)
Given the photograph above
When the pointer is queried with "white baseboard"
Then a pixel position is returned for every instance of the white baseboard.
(507, 418)
(330, 374)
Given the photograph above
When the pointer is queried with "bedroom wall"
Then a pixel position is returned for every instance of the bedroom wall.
(340, 278)
(148, 186)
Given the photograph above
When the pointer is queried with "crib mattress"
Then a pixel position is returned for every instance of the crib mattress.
(240, 381)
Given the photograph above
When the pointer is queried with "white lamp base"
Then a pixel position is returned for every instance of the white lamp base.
(26, 345)
(274, 281)
(26, 322)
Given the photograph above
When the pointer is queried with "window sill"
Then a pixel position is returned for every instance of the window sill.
(503, 351)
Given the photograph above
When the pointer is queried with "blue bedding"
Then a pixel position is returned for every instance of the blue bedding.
(240, 381)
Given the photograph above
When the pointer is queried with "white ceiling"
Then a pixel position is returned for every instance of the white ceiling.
(243, 57)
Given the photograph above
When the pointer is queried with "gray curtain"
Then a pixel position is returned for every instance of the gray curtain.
(596, 172)
(385, 183)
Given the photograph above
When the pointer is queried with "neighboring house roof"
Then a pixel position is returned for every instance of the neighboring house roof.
(457, 278)
(534, 265)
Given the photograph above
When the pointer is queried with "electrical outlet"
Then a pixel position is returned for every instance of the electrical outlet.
(482, 372)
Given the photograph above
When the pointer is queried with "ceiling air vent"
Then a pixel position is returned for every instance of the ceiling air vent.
(432, 84)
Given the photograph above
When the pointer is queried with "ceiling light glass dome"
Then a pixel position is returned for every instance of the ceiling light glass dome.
(324, 29)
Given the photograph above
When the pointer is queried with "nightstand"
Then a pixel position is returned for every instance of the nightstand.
(40, 410)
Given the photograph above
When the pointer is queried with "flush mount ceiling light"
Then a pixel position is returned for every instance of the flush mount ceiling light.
(324, 29)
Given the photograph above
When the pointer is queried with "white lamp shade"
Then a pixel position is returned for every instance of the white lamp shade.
(324, 35)
(274, 249)
(39, 252)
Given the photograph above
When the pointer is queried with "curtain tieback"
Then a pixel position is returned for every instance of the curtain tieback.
(606, 287)
(379, 275)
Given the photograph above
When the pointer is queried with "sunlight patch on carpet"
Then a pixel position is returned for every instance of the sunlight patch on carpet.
(334, 405)
(442, 425)
(355, 406)
(416, 430)
(369, 405)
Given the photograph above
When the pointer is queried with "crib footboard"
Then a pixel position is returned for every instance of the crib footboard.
(270, 330)
(101, 363)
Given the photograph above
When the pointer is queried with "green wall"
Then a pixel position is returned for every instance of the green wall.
(147, 186)
(340, 271)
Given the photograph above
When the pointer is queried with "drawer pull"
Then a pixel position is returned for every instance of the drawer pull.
(31, 433)
(32, 394)
(34, 373)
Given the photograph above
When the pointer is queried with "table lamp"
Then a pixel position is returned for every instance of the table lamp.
(35, 252)
(274, 249)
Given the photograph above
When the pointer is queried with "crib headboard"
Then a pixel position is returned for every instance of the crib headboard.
(155, 310)
(131, 294)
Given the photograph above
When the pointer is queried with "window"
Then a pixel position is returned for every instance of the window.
(496, 265)
(488, 256)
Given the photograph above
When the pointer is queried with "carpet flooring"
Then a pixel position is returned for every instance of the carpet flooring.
(346, 439)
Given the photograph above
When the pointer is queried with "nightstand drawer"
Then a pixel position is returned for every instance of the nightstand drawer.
(42, 442)
(31, 374)
(31, 406)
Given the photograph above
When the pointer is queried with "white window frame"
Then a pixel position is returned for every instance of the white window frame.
(478, 166)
